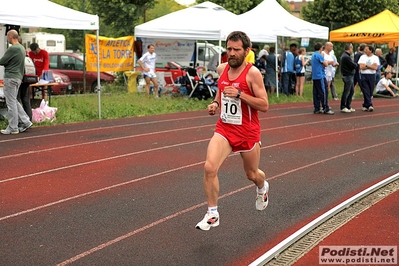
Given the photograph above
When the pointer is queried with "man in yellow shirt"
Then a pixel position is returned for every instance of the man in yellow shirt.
(250, 58)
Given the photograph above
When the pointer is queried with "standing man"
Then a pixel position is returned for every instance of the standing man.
(40, 58)
(14, 65)
(368, 64)
(147, 63)
(358, 54)
(330, 71)
(287, 65)
(320, 93)
(348, 68)
(391, 57)
(240, 96)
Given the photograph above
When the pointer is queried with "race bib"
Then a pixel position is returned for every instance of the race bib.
(230, 110)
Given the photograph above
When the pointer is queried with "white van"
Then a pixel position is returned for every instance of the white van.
(46, 41)
(205, 52)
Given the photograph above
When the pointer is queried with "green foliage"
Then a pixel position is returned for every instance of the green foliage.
(336, 14)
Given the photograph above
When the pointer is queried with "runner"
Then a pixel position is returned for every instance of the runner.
(240, 96)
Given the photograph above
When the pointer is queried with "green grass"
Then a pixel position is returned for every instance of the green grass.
(116, 102)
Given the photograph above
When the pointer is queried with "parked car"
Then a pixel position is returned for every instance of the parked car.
(71, 64)
(64, 84)
(175, 68)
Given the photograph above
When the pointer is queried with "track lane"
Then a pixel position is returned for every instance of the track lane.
(49, 221)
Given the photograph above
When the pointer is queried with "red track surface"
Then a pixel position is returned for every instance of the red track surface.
(129, 191)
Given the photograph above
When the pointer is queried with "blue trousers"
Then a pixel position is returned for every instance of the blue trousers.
(320, 95)
(367, 85)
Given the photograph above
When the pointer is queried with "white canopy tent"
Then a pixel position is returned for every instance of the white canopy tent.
(205, 21)
(276, 21)
(46, 14)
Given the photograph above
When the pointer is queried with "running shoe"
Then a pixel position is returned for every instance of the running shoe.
(262, 200)
(364, 109)
(8, 131)
(371, 108)
(329, 112)
(210, 220)
(345, 110)
(25, 127)
(352, 110)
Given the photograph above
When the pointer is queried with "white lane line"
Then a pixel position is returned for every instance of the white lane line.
(195, 164)
(132, 233)
(175, 130)
(189, 143)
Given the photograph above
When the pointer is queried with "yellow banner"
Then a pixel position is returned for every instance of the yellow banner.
(115, 54)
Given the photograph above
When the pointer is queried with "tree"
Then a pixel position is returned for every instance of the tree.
(336, 14)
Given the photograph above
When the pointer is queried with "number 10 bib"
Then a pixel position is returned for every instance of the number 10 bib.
(230, 111)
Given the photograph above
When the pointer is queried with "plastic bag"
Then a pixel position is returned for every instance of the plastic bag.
(43, 113)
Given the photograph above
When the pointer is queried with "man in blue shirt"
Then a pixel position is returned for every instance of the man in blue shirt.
(286, 71)
(320, 93)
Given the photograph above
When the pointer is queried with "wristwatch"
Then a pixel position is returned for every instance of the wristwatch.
(238, 94)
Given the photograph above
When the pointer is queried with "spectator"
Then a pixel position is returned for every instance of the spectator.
(261, 64)
(386, 87)
(368, 64)
(330, 68)
(264, 51)
(40, 58)
(320, 93)
(270, 77)
(348, 68)
(210, 81)
(287, 69)
(383, 62)
(13, 61)
(391, 57)
(300, 64)
(358, 54)
(250, 58)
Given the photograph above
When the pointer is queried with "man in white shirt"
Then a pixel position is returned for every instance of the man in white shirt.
(147, 63)
(386, 87)
(368, 64)
(330, 69)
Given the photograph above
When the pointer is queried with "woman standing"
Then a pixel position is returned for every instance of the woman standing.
(300, 64)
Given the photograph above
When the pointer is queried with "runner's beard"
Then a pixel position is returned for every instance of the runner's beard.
(235, 61)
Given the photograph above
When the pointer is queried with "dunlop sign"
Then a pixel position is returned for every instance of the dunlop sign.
(365, 34)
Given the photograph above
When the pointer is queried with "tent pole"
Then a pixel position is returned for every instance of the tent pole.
(276, 66)
(397, 66)
(98, 74)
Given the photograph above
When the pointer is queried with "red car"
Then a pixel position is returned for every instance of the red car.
(64, 84)
(71, 64)
(176, 69)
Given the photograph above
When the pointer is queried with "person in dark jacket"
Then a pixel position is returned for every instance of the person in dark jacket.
(348, 68)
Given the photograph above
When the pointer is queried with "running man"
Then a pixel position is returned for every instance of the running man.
(147, 63)
(240, 96)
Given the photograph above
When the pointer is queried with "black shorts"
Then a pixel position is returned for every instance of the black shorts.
(300, 74)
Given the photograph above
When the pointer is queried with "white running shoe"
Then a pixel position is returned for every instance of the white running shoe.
(371, 108)
(262, 200)
(345, 110)
(210, 220)
(352, 110)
